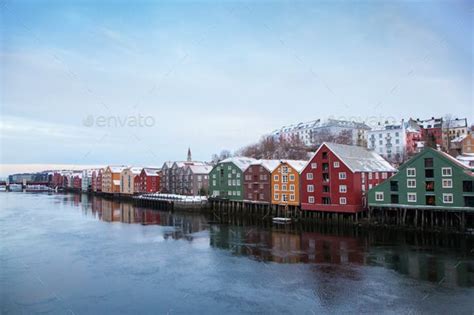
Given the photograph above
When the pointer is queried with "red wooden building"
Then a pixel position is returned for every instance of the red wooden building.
(148, 181)
(337, 177)
(99, 181)
(258, 181)
(77, 182)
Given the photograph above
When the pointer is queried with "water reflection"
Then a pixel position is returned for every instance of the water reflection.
(445, 260)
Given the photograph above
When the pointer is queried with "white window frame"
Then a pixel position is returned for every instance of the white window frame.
(450, 169)
(292, 187)
(292, 197)
(379, 196)
(284, 187)
(411, 180)
(343, 189)
(447, 180)
(411, 194)
(310, 199)
(342, 175)
(275, 187)
(292, 177)
(336, 164)
(343, 201)
(310, 188)
(309, 176)
(314, 165)
(276, 178)
(445, 197)
(276, 196)
(409, 170)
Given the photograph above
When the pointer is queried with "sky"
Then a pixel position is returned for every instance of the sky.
(138, 83)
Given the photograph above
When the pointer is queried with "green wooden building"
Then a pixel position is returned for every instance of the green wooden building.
(432, 182)
(226, 180)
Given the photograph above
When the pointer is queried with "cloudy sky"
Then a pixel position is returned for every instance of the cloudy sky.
(88, 83)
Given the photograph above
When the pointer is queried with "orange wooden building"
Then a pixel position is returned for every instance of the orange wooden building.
(286, 182)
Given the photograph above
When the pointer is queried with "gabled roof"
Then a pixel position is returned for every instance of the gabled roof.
(200, 169)
(269, 165)
(134, 170)
(151, 171)
(117, 169)
(359, 159)
(298, 165)
(241, 162)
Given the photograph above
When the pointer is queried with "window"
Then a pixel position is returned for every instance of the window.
(238, 175)
(384, 175)
(283, 187)
(376, 175)
(260, 186)
(238, 182)
(428, 162)
(213, 182)
(447, 183)
(310, 188)
(310, 199)
(250, 186)
(336, 164)
(325, 155)
(292, 187)
(314, 165)
(284, 170)
(261, 196)
(370, 175)
(411, 197)
(234, 171)
(429, 173)
(229, 175)
(342, 200)
(342, 188)
(229, 182)
(250, 196)
(309, 176)
(234, 182)
(429, 185)
(284, 197)
(276, 196)
(379, 196)
(292, 197)
(275, 178)
(229, 167)
(284, 179)
(342, 175)
(411, 172)
(448, 198)
(275, 187)
(238, 193)
(292, 177)
(447, 171)
(213, 175)
(411, 183)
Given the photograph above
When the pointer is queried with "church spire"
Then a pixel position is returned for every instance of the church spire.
(189, 159)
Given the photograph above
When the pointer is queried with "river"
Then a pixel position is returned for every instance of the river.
(67, 253)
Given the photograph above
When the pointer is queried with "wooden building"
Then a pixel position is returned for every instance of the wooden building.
(111, 179)
(226, 178)
(148, 181)
(127, 180)
(258, 181)
(338, 176)
(286, 182)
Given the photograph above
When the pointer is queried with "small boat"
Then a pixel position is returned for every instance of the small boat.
(3, 188)
(280, 220)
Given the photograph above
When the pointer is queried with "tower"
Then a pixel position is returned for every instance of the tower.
(189, 159)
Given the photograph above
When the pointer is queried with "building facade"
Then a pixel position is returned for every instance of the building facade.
(128, 176)
(111, 179)
(258, 181)
(338, 176)
(431, 180)
(149, 180)
(226, 178)
(286, 182)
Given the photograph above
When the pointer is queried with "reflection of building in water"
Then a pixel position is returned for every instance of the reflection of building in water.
(286, 247)
(320, 248)
(96, 207)
(425, 266)
(111, 211)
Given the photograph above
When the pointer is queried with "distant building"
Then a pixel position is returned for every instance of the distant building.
(452, 129)
(127, 180)
(148, 181)
(310, 132)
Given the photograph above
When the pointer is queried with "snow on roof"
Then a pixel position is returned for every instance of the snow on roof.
(459, 139)
(270, 165)
(151, 171)
(135, 170)
(359, 159)
(240, 161)
(117, 169)
(318, 123)
(298, 165)
(455, 160)
(455, 123)
(200, 169)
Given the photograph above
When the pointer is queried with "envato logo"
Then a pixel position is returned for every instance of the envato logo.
(371, 121)
(111, 121)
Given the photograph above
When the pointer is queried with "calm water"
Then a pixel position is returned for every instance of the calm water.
(72, 254)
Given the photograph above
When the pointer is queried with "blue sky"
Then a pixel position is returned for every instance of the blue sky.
(218, 75)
